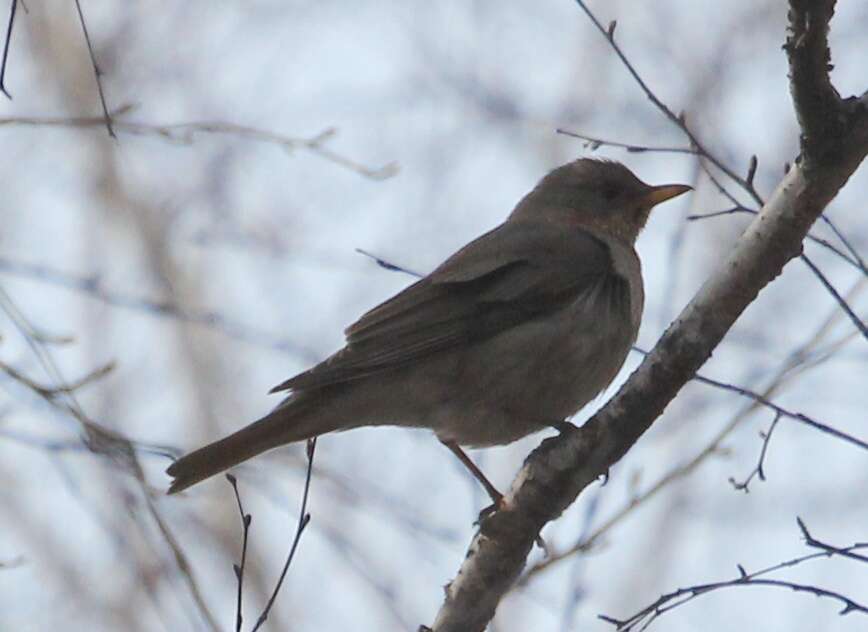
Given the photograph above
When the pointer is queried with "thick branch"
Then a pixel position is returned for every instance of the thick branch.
(556, 472)
(814, 97)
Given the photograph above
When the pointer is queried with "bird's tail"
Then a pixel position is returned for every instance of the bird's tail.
(285, 424)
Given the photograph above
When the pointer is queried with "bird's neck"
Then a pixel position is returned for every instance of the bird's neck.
(616, 226)
(619, 226)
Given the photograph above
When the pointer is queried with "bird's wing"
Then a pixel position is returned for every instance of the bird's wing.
(510, 275)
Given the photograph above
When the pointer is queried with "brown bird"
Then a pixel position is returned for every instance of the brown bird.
(515, 332)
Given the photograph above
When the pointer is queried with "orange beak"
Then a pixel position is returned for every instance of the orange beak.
(658, 194)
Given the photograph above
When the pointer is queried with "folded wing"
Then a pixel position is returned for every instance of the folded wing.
(510, 275)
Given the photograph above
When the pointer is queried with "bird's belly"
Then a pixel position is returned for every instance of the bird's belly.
(533, 375)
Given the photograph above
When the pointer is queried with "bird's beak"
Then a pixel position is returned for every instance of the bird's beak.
(658, 194)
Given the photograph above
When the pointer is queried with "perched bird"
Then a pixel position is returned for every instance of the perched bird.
(515, 332)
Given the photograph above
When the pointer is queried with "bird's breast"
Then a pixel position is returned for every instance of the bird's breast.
(543, 370)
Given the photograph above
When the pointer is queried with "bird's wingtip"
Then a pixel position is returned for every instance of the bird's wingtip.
(283, 386)
(178, 485)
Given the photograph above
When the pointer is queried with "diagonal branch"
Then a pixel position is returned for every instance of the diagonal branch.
(556, 472)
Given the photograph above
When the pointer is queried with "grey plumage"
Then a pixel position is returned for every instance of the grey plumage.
(516, 331)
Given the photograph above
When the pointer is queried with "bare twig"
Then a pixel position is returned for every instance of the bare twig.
(758, 470)
(594, 143)
(50, 392)
(97, 73)
(729, 211)
(303, 521)
(850, 248)
(645, 617)
(246, 519)
(751, 170)
(783, 412)
(828, 548)
(854, 318)
(13, 6)
(184, 133)
(386, 265)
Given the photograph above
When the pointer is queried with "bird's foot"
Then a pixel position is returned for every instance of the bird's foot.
(498, 504)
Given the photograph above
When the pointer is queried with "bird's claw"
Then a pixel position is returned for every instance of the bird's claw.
(498, 504)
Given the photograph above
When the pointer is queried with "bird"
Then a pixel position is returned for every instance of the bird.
(515, 332)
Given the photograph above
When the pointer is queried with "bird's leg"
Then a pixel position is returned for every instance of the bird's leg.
(495, 495)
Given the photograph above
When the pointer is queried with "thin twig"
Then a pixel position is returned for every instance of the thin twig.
(728, 211)
(676, 598)
(184, 133)
(303, 521)
(850, 248)
(751, 170)
(12, 9)
(758, 470)
(97, 73)
(800, 417)
(246, 519)
(50, 392)
(391, 267)
(594, 143)
(838, 298)
(828, 548)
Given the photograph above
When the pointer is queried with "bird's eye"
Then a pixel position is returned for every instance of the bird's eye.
(610, 193)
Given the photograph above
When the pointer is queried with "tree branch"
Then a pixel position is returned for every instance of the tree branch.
(560, 468)
(645, 617)
(185, 133)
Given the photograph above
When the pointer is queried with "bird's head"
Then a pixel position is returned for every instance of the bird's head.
(596, 194)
